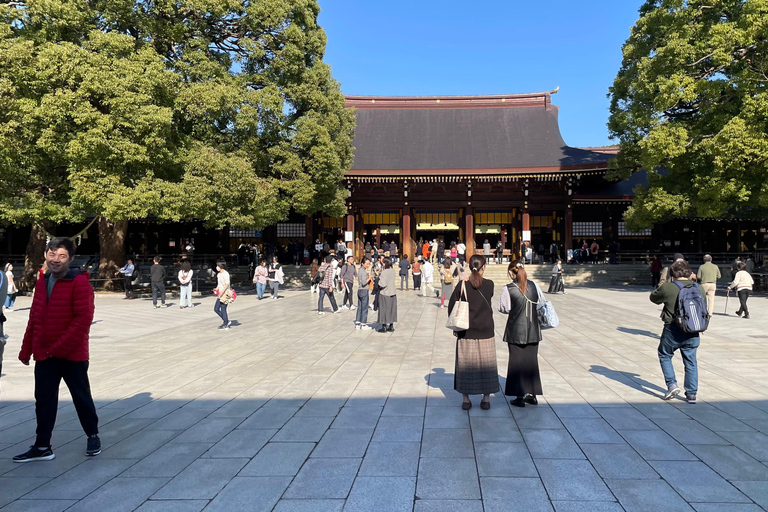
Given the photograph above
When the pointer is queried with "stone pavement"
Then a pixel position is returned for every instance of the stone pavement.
(289, 411)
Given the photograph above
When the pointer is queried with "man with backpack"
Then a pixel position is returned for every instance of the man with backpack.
(685, 316)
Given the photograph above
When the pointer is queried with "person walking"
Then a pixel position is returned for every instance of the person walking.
(434, 251)
(313, 268)
(708, 275)
(461, 251)
(223, 294)
(553, 250)
(556, 284)
(157, 276)
(522, 335)
(185, 284)
(275, 271)
(673, 338)
(348, 274)
(427, 274)
(260, 276)
(742, 283)
(476, 371)
(453, 253)
(594, 250)
(735, 267)
(448, 270)
(393, 252)
(665, 272)
(416, 273)
(387, 298)
(487, 250)
(57, 337)
(656, 266)
(499, 252)
(405, 266)
(10, 299)
(127, 271)
(364, 286)
(326, 285)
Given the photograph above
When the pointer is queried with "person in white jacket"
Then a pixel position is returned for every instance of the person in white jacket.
(742, 283)
(427, 276)
(185, 285)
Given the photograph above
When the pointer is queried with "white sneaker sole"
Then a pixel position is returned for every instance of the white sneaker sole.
(672, 394)
(47, 457)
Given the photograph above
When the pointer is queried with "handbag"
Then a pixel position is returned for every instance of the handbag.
(458, 317)
(548, 318)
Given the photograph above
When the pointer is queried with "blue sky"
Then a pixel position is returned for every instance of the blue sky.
(429, 47)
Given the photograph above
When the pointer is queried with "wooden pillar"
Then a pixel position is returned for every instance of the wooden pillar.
(378, 237)
(308, 235)
(359, 237)
(568, 229)
(405, 231)
(469, 231)
(350, 229)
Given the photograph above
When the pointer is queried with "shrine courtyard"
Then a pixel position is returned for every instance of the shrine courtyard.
(290, 411)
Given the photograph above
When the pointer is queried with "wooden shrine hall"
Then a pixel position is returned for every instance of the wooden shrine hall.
(471, 168)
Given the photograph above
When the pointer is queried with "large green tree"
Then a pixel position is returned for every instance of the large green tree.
(221, 110)
(690, 105)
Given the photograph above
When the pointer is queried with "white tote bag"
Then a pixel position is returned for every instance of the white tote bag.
(458, 317)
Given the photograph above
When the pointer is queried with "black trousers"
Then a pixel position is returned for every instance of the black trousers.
(128, 283)
(158, 290)
(348, 293)
(417, 281)
(743, 296)
(48, 375)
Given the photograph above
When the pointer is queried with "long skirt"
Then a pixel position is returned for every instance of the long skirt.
(476, 372)
(556, 284)
(523, 371)
(387, 309)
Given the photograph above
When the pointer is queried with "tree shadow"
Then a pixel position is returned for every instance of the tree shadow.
(622, 377)
(638, 332)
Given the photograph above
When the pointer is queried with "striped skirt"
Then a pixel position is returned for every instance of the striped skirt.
(476, 372)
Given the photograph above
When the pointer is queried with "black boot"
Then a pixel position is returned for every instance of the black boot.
(518, 402)
(531, 399)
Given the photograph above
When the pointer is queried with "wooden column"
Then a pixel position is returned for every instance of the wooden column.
(351, 229)
(405, 231)
(308, 238)
(378, 237)
(469, 231)
(568, 229)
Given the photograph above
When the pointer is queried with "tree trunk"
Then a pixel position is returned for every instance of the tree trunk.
(111, 249)
(34, 257)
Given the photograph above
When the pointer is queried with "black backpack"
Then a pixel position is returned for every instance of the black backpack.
(318, 277)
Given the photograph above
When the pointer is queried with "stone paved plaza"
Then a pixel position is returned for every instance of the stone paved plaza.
(289, 411)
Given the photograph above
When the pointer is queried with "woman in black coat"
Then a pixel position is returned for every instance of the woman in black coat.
(522, 334)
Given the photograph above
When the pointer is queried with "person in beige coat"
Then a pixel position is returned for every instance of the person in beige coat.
(742, 283)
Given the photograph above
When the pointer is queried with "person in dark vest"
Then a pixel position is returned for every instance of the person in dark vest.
(57, 337)
(522, 335)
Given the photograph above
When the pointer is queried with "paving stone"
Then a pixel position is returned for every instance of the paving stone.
(139, 445)
(324, 478)
(652, 445)
(321, 407)
(756, 490)
(618, 461)
(249, 494)
(551, 444)
(309, 506)
(514, 494)
(357, 417)
(240, 443)
(168, 460)
(647, 496)
(269, 417)
(448, 506)
(120, 494)
(572, 480)
(180, 419)
(303, 429)
(239, 408)
(344, 442)
(694, 481)
(173, 506)
(587, 506)
(626, 418)
(405, 407)
(278, 459)
(725, 507)
(574, 410)
(446, 417)
(536, 417)
(447, 443)
(586, 430)
(695, 432)
(208, 430)
(754, 443)
(203, 479)
(374, 494)
(38, 506)
(717, 421)
(391, 459)
(81, 480)
(730, 462)
(14, 488)
(447, 479)
(504, 459)
(398, 429)
(502, 430)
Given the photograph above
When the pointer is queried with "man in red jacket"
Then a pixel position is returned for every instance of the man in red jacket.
(57, 336)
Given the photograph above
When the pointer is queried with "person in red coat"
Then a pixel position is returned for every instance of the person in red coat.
(57, 337)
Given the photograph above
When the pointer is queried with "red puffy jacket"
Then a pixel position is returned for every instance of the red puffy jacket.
(59, 326)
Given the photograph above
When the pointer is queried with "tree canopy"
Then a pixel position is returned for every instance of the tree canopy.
(690, 105)
(221, 110)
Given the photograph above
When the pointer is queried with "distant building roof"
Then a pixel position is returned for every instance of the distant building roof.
(465, 134)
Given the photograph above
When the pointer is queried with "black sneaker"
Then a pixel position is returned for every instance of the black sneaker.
(94, 446)
(531, 399)
(34, 453)
(691, 398)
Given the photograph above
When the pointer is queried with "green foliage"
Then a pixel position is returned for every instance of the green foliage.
(215, 109)
(690, 104)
